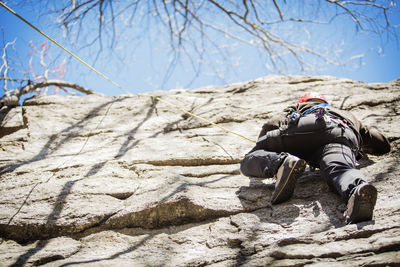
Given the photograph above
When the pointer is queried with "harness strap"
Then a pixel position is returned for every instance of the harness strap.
(315, 107)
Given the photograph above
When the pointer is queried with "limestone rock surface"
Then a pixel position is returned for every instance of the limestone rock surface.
(130, 181)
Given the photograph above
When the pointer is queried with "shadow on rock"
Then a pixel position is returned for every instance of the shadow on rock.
(315, 193)
(311, 193)
(257, 196)
(56, 140)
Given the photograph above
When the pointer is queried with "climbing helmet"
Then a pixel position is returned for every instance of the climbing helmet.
(312, 96)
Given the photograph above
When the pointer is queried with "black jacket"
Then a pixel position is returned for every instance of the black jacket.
(371, 140)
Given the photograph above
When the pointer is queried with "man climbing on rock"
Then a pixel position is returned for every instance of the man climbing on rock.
(314, 132)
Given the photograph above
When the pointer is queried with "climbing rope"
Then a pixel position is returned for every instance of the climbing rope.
(197, 116)
(63, 48)
(116, 84)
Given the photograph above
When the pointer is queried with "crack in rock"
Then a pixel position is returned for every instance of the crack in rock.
(25, 232)
(190, 161)
(179, 212)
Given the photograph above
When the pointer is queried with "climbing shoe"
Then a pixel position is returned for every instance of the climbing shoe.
(286, 177)
(360, 206)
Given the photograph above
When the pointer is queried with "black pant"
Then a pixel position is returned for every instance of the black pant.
(330, 146)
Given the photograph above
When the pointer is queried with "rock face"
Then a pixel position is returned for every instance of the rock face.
(128, 181)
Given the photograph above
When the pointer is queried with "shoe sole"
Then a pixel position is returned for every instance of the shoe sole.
(364, 204)
(288, 188)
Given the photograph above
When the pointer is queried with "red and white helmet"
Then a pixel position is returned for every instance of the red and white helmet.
(312, 96)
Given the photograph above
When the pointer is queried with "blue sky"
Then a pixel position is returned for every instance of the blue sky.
(140, 68)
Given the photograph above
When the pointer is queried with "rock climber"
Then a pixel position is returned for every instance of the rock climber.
(313, 131)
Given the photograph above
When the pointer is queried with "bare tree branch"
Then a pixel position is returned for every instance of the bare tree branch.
(278, 9)
(11, 100)
(4, 67)
(255, 23)
(14, 80)
(34, 86)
